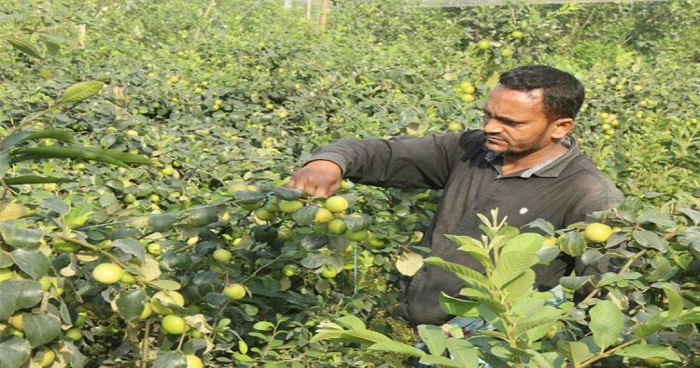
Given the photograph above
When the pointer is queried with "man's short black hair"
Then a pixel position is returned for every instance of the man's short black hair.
(562, 93)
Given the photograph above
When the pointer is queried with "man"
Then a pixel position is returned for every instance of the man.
(523, 162)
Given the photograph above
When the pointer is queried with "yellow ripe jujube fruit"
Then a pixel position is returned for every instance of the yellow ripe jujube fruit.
(336, 204)
(222, 255)
(193, 361)
(235, 291)
(323, 215)
(337, 226)
(289, 206)
(597, 232)
(174, 324)
(47, 358)
(329, 272)
(107, 273)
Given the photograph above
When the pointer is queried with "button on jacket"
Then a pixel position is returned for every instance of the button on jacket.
(562, 191)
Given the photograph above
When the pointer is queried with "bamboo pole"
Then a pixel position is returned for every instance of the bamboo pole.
(323, 18)
(198, 33)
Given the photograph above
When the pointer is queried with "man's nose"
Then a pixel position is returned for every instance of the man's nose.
(492, 125)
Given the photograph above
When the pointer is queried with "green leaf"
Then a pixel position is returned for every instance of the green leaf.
(690, 237)
(170, 359)
(18, 294)
(520, 286)
(130, 303)
(263, 326)
(606, 324)
(19, 137)
(523, 326)
(20, 238)
(365, 336)
(248, 197)
(396, 348)
(357, 222)
(591, 257)
(473, 247)
(33, 179)
(57, 205)
(33, 262)
(24, 47)
(575, 351)
(650, 326)
(80, 91)
(675, 303)
(692, 316)
(5, 260)
(612, 278)
(458, 307)
(692, 214)
(546, 359)
(574, 282)
(66, 152)
(434, 338)
(78, 215)
(41, 328)
(166, 284)
(548, 254)
(305, 215)
(161, 222)
(439, 361)
(656, 217)
(327, 335)
(4, 162)
(14, 352)
(351, 322)
(311, 242)
(465, 273)
(646, 351)
(511, 265)
(462, 352)
(572, 243)
(77, 359)
(10, 17)
(288, 194)
(650, 239)
(125, 157)
(525, 242)
(202, 216)
(133, 247)
(543, 225)
(355, 336)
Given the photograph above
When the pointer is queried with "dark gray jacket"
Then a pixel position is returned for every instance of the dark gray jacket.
(562, 192)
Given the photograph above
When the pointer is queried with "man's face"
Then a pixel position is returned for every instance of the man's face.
(515, 123)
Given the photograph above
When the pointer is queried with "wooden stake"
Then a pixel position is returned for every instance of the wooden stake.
(324, 14)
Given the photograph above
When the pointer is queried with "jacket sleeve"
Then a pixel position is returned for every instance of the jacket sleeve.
(399, 162)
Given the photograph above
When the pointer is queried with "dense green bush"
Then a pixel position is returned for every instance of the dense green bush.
(226, 99)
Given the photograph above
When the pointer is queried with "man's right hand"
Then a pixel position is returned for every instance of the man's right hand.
(320, 178)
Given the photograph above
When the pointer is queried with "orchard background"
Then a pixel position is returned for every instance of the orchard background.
(155, 136)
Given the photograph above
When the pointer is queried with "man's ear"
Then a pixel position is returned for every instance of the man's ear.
(561, 127)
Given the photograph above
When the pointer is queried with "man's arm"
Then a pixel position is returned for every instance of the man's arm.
(409, 163)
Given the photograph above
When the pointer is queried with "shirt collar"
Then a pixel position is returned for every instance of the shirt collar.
(549, 168)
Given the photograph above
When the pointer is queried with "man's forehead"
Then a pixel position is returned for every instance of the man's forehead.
(532, 93)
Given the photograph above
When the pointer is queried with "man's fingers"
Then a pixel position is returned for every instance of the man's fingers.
(308, 187)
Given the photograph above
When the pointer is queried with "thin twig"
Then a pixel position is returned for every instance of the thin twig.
(204, 19)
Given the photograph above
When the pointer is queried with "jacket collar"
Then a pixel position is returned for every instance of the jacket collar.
(550, 168)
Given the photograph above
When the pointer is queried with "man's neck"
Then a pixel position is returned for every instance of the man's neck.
(515, 163)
